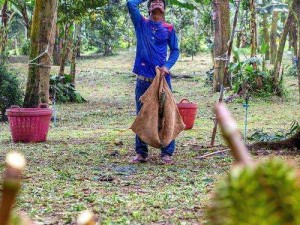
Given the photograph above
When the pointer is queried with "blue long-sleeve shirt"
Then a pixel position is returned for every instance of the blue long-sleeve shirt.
(153, 39)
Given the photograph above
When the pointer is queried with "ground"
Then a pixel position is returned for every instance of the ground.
(84, 164)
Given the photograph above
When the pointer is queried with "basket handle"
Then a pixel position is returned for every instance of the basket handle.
(43, 105)
(184, 99)
(14, 107)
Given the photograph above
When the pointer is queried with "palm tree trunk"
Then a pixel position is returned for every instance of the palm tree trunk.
(266, 36)
(26, 20)
(273, 37)
(57, 48)
(42, 41)
(75, 49)
(253, 29)
(3, 30)
(279, 54)
(293, 36)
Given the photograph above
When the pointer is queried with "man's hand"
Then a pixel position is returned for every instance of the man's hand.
(164, 70)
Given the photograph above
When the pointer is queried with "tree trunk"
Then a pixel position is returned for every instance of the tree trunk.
(221, 38)
(238, 39)
(277, 64)
(289, 143)
(266, 36)
(297, 16)
(64, 53)
(16, 46)
(107, 49)
(78, 51)
(240, 31)
(57, 48)
(293, 33)
(3, 31)
(253, 29)
(42, 39)
(27, 22)
(273, 37)
(75, 49)
(227, 74)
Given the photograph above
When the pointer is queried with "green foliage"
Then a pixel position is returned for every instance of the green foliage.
(209, 77)
(207, 19)
(10, 92)
(189, 4)
(71, 10)
(292, 70)
(274, 6)
(25, 48)
(280, 135)
(107, 27)
(248, 75)
(245, 4)
(63, 90)
(268, 193)
(190, 44)
(190, 27)
(264, 47)
(183, 3)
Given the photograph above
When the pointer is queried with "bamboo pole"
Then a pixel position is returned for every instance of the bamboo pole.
(15, 164)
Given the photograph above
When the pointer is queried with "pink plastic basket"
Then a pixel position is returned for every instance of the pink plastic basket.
(29, 124)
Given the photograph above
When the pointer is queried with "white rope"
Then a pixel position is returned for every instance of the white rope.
(46, 52)
(222, 57)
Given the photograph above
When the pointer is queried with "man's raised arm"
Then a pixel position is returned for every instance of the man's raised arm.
(134, 10)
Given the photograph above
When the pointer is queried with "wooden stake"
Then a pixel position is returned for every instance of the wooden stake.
(86, 218)
(15, 164)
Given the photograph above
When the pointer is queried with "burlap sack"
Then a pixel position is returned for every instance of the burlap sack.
(146, 124)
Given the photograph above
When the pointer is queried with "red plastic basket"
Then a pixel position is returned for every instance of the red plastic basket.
(29, 124)
(188, 111)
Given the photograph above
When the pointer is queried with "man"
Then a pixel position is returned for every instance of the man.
(153, 36)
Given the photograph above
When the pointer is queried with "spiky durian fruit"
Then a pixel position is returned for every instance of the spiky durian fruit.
(265, 194)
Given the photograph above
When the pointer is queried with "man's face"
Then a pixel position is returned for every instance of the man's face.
(157, 4)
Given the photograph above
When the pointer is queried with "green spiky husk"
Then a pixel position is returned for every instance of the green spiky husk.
(267, 194)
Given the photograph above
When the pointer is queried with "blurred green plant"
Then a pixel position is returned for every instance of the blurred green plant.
(259, 135)
(190, 45)
(62, 90)
(292, 69)
(10, 91)
(251, 76)
(209, 77)
(25, 48)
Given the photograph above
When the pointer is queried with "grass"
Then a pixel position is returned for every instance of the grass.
(85, 162)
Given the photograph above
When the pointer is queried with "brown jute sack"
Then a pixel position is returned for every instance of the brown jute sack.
(152, 129)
